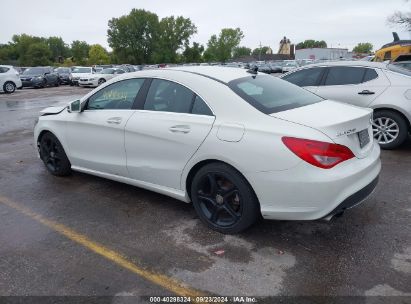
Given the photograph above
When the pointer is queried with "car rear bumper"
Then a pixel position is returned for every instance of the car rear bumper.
(306, 192)
(356, 198)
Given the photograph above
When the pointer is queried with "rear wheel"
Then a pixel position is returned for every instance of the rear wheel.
(9, 87)
(54, 156)
(223, 199)
(390, 129)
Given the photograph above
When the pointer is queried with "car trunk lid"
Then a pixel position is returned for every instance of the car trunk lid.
(344, 124)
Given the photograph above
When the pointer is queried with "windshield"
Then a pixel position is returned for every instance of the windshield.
(62, 70)
(399, 69)
(107, 71)
(33, 71)
(271, 95)
(82, 70)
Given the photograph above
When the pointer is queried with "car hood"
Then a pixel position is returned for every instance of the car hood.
(52, 110)
(81, 74)
(340, 122)
(31, 76)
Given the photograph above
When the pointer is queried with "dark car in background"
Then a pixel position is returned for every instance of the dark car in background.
(39, 77)
(264, 68)
(64, 75)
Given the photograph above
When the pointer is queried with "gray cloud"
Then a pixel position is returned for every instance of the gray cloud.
(339, 23)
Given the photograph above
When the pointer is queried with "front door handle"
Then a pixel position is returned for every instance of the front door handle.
(114, 120)
(366, 92)
(180, 129)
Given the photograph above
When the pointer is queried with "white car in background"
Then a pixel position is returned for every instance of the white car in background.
(237, 144)
(9, 79)
(79, 71)
(94, 80)
(384, 88)
(289, 66)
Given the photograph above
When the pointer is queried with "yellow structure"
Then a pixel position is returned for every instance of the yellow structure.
(391, 50)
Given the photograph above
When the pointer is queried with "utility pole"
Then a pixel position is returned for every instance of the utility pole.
(261, 48)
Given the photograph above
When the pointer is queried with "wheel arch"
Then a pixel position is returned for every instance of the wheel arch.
(194, 169)
(60, 139)
(398, 111)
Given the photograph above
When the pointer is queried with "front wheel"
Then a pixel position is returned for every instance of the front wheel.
(53, 155)
(390, 129)
(101, 81)
(9, 87)
(223, 199)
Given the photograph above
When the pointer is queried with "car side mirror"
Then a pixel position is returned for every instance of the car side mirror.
(75, 106)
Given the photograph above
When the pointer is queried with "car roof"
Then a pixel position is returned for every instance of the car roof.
(219, 73)
(379, 65)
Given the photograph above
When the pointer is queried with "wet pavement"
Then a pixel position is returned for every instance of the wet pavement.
(367, 252)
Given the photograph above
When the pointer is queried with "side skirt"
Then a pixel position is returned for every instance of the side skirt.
(174, 193)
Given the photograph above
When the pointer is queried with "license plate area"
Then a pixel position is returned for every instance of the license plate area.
(363, 137)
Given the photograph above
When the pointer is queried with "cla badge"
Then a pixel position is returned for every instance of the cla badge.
(347, 132)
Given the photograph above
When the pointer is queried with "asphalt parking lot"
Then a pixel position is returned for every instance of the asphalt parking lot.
(86, 236)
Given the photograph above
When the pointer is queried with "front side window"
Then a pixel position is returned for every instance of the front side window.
(3, 69)
(305, 77)
(271, 95)
(344, 75)
(119, 95)
(168, 96)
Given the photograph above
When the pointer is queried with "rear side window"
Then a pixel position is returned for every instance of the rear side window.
(344, 75)
(305, 77)
(370, 74)
(4, 69)
(271, 95)
(168, 96)
(200, 107)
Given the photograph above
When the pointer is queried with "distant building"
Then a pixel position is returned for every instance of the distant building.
(322, 54)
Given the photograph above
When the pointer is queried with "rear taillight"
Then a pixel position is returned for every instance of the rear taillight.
(320, 154)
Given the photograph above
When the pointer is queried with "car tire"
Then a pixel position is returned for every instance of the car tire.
(387, 124)
(53, 155)
(223, 199)
(9, 87)
(101, 81)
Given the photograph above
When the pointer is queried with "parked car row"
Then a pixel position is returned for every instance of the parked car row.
(386, 88)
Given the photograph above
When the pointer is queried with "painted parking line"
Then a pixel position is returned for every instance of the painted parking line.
(164, 281)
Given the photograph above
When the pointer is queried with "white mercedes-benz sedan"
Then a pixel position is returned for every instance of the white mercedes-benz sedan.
(236, 143)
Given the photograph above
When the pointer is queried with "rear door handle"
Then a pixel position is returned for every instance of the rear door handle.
(114, 120)
(180, 129)
(366, 92)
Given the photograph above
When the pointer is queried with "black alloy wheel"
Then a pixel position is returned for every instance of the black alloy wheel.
(223, 198)
(53, 155)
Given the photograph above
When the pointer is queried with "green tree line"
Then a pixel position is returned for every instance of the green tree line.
(139, 37)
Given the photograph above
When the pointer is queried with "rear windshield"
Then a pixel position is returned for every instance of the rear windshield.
(271, 95)
(399, 69)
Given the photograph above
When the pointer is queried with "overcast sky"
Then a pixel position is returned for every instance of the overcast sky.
(339, 23)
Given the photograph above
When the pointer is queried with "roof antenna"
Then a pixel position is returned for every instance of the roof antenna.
(396, 37)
